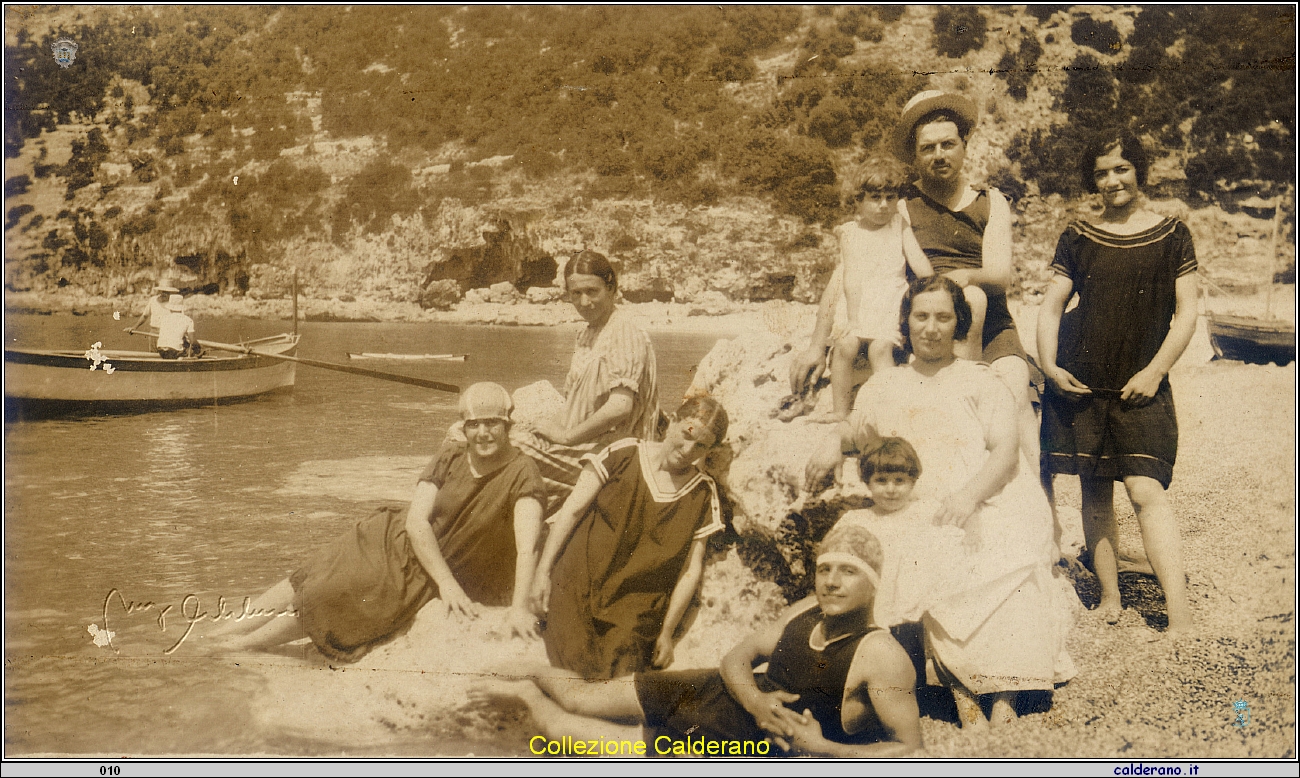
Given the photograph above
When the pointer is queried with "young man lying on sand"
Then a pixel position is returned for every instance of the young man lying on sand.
(836, 685)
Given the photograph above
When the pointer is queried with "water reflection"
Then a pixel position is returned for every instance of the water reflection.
(217, 502)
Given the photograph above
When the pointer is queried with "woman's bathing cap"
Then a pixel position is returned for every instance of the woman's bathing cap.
(485, 400)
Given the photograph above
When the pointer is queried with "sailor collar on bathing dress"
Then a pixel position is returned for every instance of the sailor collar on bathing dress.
(658, 494)
(1114, 240)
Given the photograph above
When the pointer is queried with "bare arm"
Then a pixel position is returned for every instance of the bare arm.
(528, 526)
(687, 584)
(617, 408)
(583, 494)
(1144, 385)
(1058, 294)
(915, 255)
(806, 367)
(852, 279)
(996, 269)
(883, 673)
(419, 532)
(737, 671)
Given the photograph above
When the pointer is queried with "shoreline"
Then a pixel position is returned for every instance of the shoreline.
(728, 317)
(790, 320)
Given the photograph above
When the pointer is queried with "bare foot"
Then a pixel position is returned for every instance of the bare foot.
(1109, 610)
(1135, 563)
(1004, 709)
(826, 417)
(968, 711)
(1174, 634)
(492, 688)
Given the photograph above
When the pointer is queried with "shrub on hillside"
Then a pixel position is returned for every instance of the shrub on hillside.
(17, 185)
(1100, 36)
(958, 30)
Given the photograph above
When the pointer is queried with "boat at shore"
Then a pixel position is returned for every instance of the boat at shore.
(42, 382)
(1251, 340)
(411, 357)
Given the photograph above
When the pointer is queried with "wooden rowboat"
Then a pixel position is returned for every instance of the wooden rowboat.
(43, 382)
(438, 357)
(1257, 341)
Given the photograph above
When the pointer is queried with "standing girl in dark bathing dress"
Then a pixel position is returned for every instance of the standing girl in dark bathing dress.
(1110, 413)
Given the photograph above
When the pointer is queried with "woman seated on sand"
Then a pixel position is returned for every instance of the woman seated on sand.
(1008, 632)
(836, 684)
(610, 392)
(469, 536)
(625, 552)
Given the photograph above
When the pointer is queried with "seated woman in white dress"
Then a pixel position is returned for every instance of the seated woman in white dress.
(1004, 631)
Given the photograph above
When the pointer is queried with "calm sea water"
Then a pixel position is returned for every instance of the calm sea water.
(204, 501)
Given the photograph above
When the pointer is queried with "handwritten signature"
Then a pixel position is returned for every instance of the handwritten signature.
(191, 612)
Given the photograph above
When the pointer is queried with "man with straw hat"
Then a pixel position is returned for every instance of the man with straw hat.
(176, 332)
(966, 233)
(157, 307)
(837, 684)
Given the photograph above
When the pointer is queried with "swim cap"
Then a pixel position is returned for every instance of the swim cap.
(485, 400)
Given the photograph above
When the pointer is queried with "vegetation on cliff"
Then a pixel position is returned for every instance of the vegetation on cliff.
(366, 147)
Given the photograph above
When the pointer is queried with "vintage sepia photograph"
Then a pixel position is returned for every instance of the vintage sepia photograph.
(670, 381)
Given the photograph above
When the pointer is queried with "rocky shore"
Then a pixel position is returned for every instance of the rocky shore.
(1135, 697)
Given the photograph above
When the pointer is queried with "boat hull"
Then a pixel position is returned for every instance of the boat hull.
(62, 381)
(1254, 341)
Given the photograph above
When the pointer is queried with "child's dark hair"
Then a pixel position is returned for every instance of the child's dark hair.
(890, 455)
(880, 173)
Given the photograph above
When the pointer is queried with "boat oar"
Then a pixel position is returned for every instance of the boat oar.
(401, 379)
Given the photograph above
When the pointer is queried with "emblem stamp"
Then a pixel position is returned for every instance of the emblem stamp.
(65, 52)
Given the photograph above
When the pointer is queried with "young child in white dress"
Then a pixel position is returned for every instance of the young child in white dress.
(875, 251)
(918, 553)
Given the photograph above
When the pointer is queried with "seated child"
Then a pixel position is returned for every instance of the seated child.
(918, 554)
(875, 251)
(837, 684)
(176, 332)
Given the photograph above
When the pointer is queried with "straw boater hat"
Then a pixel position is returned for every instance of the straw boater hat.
(175, 303)
(922, 104)
(485, 400)
(166, 287)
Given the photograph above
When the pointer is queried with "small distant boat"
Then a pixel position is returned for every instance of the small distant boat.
(438, 357)
(52, 382)
(1257, 341)
(1247, 338)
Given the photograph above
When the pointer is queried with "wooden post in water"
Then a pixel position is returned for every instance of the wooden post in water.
(295, 301)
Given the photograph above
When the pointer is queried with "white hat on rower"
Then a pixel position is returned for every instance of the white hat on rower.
(175, 303)
(924, 103)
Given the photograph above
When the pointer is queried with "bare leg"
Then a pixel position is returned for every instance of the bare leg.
(556, 719)
(273, 632)
(880, 353)
(1101, 533)
(968, 709)
(1164, 547)
(277, 599)
(846, 351)
(1004, 709)
(972, 347)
